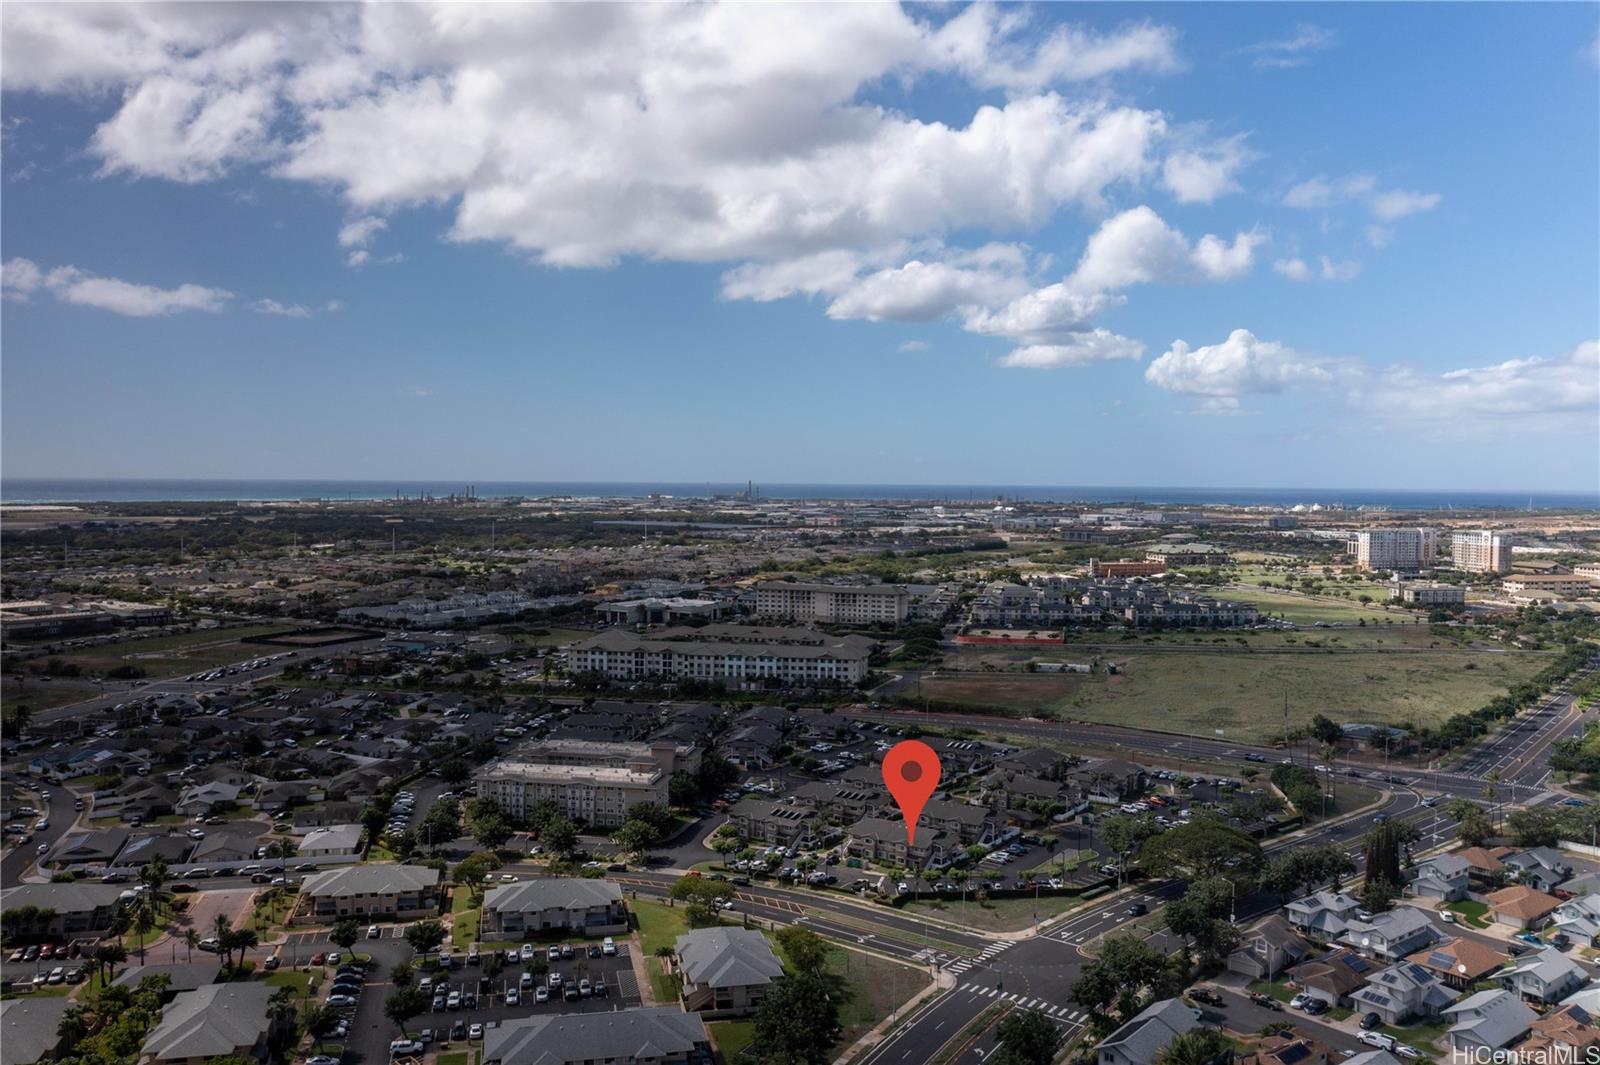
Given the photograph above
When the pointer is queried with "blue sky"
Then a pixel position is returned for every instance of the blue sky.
(1245, 245)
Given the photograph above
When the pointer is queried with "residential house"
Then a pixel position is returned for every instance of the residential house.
(967, 823)
(1485, 868)
(1107, 780)
(1571, 1033)
(1017, 792)
(1039, 762)
(94, 847)
(1291, 1048)
(1460, 963)
(588, 907)
(142, 850)
(751, 746)
(1391, 936)
(1488, 1019)
(1444, 878)
(1544, 977)
(1542, 868)
(1324, 914)
(1140, 1040)
(1579, 918)
(882, 840)
(203, 800)
(726, 971)
(649, 1036)
(401, 892)
(332, 841)
(841, 802)
(324, 814)
(215, 1021)
(760, 821)
(1334, 978)
(30, 1027)
(1267, 949)
(1520, 906)
(1402, 992)
(77, 909)
(181, 976)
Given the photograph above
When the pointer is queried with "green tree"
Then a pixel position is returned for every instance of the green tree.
(402, 1005)
(1202, 1046)
(797, 1022)
(425, 936)
(635, 836)
(400, 973)
(806, 951)
(1204, 916)
(1128, 975)
(1025, 1038)
(345, 932)
(1384, 845)
(560, 836)
(1301, 869)
(1200, 850)
(1472, 822)
(1378, 895)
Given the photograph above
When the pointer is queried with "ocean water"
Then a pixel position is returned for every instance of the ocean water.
(87, 490)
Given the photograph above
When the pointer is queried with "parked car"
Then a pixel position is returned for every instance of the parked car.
(1206, 995)
(373, 932)
(404, 1047)
(1377, 1039)
(1370, 1021)
(338, 1001)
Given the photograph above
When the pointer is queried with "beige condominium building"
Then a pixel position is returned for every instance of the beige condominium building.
(1395, 549)
(838, 604)
(599, 796)
(1481, 552)
(739, 656)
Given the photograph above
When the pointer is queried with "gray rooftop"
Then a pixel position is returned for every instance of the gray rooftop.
(29, 1028)
(212, 1021)
(552, 893)
(62, 898)
(727, 957)
(621, 1036)
(371, 880)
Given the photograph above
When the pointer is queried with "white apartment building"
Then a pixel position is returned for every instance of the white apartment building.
(739, 657)
(599, 796)
(1481, 552)
(838, 604)
(1427, 593)
(1396, 549)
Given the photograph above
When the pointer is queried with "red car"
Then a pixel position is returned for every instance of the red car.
(318, 958)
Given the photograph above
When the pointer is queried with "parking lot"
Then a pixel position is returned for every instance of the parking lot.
(465, 994)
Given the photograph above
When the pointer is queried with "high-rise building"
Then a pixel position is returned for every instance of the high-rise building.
(838, 604)
(1481, 552)
(1396, 549)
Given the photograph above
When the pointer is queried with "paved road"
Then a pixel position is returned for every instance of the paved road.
(19, 859)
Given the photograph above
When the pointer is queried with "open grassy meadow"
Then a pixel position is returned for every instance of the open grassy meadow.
(168, 656)
(1173, 684)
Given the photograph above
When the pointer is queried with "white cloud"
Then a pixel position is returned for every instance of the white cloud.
(920, 292)
(988, 44)
(1379, 236)
(1077, 349)
(1344, 270)
(1239, 365)
(1386, 205)
(185, 131)
(20, 278)
(1389, 206)
(1293, 269)
(358, 257)
(1529, 394)
(273, 307)
(1292, 51)
(1137, 246)
(359, 232)
(1202, 174)
(911, 346)
(72, 285)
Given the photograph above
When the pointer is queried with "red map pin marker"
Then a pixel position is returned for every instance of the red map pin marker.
(911, 773)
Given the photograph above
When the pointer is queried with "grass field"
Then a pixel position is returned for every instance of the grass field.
(994, 915)
(1305, 610)
(660, 925)
(1200, 691)
(732, 1037)
(167, 656)
(38, 697)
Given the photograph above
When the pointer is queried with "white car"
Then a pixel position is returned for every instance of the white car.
(373, 932)
(609, 947)
(513, 997)
(1377, 1039)
(404, 1046)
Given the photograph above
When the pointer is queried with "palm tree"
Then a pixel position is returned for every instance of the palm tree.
(281, 1007)
(106, 956)
(223, 929)
(1202, 1046)
(72, 1028)
(144, 921)
(191, 939)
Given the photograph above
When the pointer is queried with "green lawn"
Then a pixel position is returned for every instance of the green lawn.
(659, 926)
(1474, 914)
(731, 1036)
(166, 656)
(288, 978)
(994, 915)
(453, 1058)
